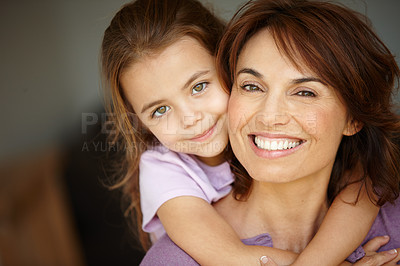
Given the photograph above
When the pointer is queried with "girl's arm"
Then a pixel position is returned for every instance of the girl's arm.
(195, 226)
(343, 229)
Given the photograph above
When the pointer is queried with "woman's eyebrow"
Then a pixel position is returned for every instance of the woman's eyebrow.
(307, 79)
(251, 72)
(294, 81)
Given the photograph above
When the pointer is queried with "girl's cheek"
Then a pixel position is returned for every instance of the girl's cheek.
(236, 115)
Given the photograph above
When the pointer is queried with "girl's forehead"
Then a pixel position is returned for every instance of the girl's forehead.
(175, 68)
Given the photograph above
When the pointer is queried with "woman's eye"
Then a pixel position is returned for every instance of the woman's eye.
(250, 87)
(306, 93)
(160, 111)
(199, 88)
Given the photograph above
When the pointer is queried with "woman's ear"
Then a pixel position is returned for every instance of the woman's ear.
(352, 127)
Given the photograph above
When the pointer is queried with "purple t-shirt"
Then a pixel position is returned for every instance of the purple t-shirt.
(164, 174)
(165, 252)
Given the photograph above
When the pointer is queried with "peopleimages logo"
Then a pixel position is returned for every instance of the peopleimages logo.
(108, 124)
(194, 148)
(101, 146)
(106, 120)
(262, 122)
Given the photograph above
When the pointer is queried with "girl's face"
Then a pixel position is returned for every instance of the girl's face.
(177, 96)
(283, 124)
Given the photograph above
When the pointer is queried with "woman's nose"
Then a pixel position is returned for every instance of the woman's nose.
(274, 112)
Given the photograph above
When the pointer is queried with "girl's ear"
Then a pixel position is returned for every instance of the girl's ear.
(353, 127)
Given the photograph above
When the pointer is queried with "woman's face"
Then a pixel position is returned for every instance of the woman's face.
(177, 96)
(283, 124)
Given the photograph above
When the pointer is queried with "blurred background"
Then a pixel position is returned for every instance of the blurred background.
(54, 208)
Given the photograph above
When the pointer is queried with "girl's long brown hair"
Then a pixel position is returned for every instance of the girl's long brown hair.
(140, 28)
(339, 46)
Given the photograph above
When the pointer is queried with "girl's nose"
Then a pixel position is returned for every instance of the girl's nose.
(191, 119)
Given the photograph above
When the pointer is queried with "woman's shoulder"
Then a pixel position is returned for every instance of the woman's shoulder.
(387, 223)
(389, 216)
(165, 252)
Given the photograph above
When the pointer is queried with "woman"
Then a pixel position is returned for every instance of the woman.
(311, 89)
(313, 74)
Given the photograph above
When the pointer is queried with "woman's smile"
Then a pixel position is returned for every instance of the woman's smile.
(274, 145)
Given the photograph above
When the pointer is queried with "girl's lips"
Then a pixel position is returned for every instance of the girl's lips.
(205, 135)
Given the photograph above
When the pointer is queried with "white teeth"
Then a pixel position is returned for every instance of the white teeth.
(267, 145)
(280, 145)
(291, 145)
(275, 145)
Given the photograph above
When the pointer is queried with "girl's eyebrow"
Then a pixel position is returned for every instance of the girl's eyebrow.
(257, 74)
(195, 76)
(192, 78)
(149, 105)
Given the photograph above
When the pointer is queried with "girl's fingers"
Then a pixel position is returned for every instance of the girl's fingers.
(264, 260)
(375, 243)
(397, 258)
(378, 258)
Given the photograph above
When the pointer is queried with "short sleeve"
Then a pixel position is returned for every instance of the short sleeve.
(162, 176)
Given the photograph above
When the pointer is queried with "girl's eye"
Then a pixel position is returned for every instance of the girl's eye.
(199, 88)
(306, 93)
(250, 87)
(160, 111)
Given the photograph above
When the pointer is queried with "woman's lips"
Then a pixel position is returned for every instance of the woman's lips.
(274, 146)
(205, 135)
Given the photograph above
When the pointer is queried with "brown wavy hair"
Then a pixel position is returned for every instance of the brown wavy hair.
(142, 28)
(338, 45)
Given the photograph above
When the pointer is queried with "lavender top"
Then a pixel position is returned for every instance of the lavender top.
(165, 174)
(165, 252)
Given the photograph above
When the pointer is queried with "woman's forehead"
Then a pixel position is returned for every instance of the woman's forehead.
(263, 44)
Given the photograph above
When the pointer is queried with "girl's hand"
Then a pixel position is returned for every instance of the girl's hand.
(372, 258)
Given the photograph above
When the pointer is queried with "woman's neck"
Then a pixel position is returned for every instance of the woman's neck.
(291, 212)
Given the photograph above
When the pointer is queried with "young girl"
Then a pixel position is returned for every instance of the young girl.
(170, 112)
